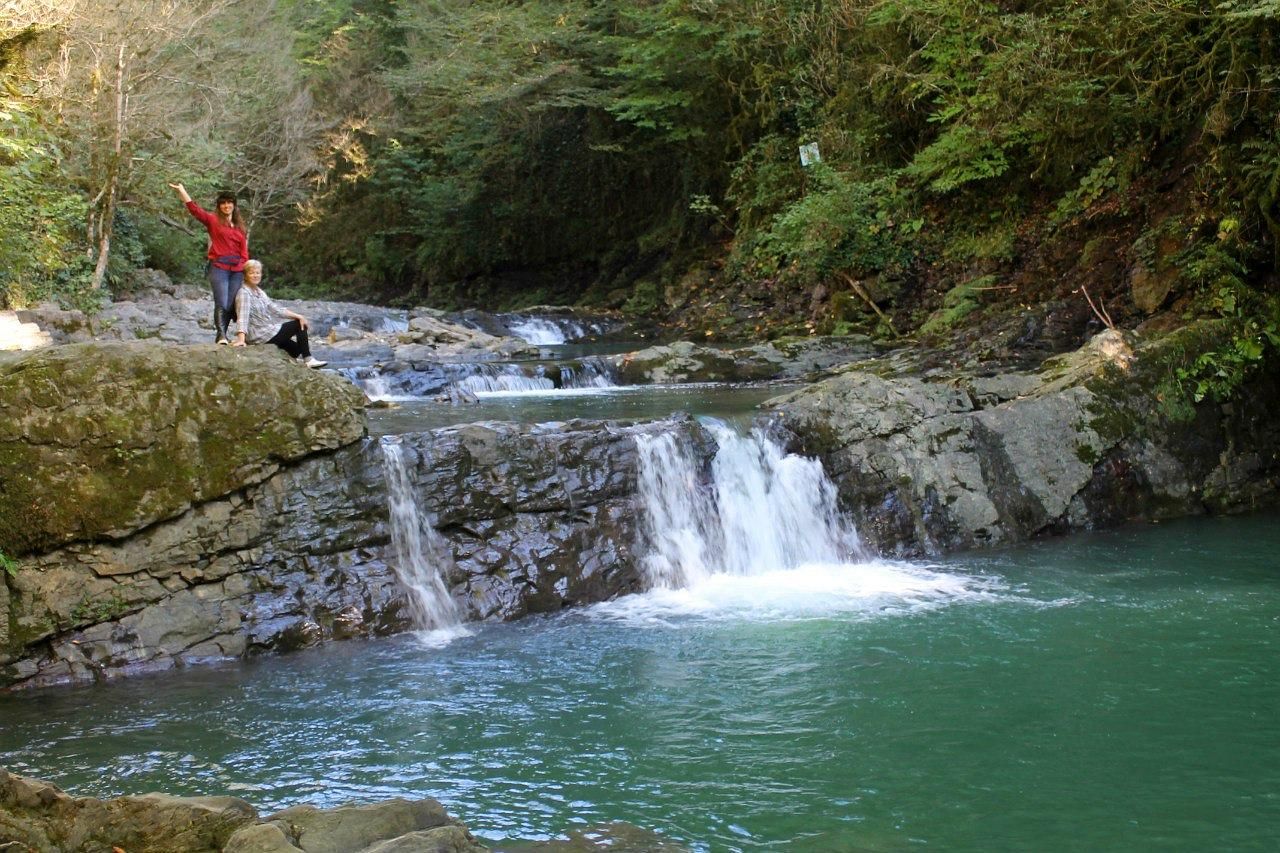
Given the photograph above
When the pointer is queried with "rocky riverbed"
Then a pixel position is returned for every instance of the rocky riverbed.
(170, 503)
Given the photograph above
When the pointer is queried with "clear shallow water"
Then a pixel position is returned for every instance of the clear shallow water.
(628, 402)
(1116, 691)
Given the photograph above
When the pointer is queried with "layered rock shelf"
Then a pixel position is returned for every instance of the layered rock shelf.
(164, 505)
(1099, 436)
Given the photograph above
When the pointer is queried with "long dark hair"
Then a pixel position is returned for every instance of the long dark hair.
(237, 221)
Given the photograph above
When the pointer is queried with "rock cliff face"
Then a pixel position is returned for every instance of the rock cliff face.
(159, 555)
(1094, 437)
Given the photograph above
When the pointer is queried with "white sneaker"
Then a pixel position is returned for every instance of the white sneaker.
(313, 362)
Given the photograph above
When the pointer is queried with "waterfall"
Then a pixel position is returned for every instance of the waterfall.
(589, 373)
(502, 378)
(376, 387)
(764, 510)
(423, 557)
(538, 330)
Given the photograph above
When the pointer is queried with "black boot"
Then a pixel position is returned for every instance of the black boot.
(219, 325)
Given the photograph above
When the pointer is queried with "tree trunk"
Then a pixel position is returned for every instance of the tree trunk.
(107, 221)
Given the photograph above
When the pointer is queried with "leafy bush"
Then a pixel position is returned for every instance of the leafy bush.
(958, 303)
(41, 218)
(841, 225)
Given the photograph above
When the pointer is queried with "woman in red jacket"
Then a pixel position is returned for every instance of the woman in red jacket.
(228, 251)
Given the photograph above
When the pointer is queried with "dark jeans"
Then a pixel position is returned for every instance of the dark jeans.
(292, 338)
(226, 285)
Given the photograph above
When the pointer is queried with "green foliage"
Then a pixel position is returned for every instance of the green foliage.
(1221, 372)
(644, 301)
(489, 152)
(1252, 337)
(959, 156)
(958, 303)
(1107, 176)
(93, 611)
(841, 224)
(992, 239)
(9, 565)
(41, 218)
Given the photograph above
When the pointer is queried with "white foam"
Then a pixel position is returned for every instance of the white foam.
(810, 591)
(441, 637)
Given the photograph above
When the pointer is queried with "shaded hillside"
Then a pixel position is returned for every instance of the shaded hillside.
(962, 155)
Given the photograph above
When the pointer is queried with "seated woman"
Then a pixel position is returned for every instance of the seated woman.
(258, 318)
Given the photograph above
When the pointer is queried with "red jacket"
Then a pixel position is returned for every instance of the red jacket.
(228, 245)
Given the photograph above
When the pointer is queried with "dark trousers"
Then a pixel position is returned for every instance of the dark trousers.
(292, 338)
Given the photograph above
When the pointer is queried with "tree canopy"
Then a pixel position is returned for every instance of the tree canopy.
(492, 152)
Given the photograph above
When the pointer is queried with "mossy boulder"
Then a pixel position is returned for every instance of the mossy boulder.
(98, 440)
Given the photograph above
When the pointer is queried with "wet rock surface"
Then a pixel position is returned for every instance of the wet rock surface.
(36, 817)
(145, 543)
(536, 518)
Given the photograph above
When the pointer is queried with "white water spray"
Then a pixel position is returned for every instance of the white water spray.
(376, 387)
(423, 557)
(765, 511)
(538, 330)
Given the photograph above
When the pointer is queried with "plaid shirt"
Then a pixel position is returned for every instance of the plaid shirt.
(257, 315)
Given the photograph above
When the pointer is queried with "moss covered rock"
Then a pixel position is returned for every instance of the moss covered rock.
(98, 440)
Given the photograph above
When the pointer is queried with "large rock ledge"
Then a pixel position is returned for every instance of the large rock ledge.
(36, 817)
(1094, 437)
(99, 440)
(168, 556)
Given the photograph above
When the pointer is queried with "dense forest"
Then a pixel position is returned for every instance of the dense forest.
(743, 167)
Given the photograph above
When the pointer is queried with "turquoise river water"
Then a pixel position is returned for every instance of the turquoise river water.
(1110, 691)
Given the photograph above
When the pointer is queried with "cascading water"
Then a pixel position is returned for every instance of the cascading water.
(589, 373)
(503, 378)
(423, 558)
(376, 387)
(761, 538)
(766, 510)
(539, 330)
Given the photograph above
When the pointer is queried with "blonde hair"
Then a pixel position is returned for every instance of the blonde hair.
(255, 264)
